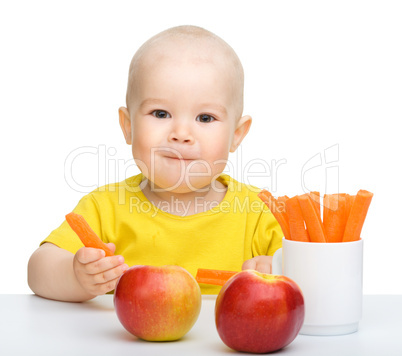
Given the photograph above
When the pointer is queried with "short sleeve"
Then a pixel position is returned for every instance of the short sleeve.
(65, 237)
(268, 235)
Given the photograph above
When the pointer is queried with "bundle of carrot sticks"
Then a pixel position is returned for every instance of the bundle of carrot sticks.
(300, 216)
(300, 220)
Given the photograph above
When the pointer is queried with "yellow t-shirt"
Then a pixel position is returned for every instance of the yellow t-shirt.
(223, 237)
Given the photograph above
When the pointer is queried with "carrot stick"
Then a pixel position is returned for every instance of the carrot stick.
(316, 199)
(270, 201)
(334, 217)
(281, 201)
(86, 234)
(212, 276)
(281, 205)
(313, 221)
(357, 215)
(297, 229)
(349, 202)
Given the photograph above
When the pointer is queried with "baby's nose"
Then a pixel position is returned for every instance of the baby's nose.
(181, 140)
(181, 133)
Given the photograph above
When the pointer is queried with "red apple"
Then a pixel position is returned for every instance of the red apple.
(157, 303)
(258, 312)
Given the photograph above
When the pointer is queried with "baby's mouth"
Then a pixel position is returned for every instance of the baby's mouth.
(174, 154)
(177, 158)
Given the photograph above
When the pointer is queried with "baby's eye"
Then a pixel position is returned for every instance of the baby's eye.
(205, 118)
(161, 114)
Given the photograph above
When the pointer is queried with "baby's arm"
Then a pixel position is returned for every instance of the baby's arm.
(261, 264)
(56, 273)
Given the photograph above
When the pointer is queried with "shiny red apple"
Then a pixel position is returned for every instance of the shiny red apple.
(258, 312)
(157, 303)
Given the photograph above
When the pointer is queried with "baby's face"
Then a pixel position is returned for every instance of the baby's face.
(183, 116)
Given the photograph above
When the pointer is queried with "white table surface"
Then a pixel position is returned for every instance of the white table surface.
(30, 325)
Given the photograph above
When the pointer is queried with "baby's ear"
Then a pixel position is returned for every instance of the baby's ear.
(125, 124)
(242, 128)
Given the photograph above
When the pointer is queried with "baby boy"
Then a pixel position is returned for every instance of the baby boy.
(184, 116)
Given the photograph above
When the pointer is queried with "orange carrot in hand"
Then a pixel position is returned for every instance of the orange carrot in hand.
(86, 234)
(279, 214)
(357, 215)
(313, 221)
(297, 229)
(212, 276)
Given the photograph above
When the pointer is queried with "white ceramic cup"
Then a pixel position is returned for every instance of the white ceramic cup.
(330, 276)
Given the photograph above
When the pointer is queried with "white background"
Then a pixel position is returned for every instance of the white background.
(321, 77)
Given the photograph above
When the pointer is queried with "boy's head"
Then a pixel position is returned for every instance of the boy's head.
(184, 108)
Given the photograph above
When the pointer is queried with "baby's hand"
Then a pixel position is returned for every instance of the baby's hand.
(261, 264)
(96, 273)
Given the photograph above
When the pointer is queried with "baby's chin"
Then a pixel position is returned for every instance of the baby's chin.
(184, 185)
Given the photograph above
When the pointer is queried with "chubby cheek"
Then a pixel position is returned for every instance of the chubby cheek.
(144, 138)
(215, 164)
(214, 153)
(141, 153)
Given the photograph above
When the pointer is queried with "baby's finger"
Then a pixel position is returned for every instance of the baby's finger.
(111, 246)
(87, 255)
(263, 267)
(104, 264)
(249, 264)
(100, 289)
(110, 275)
